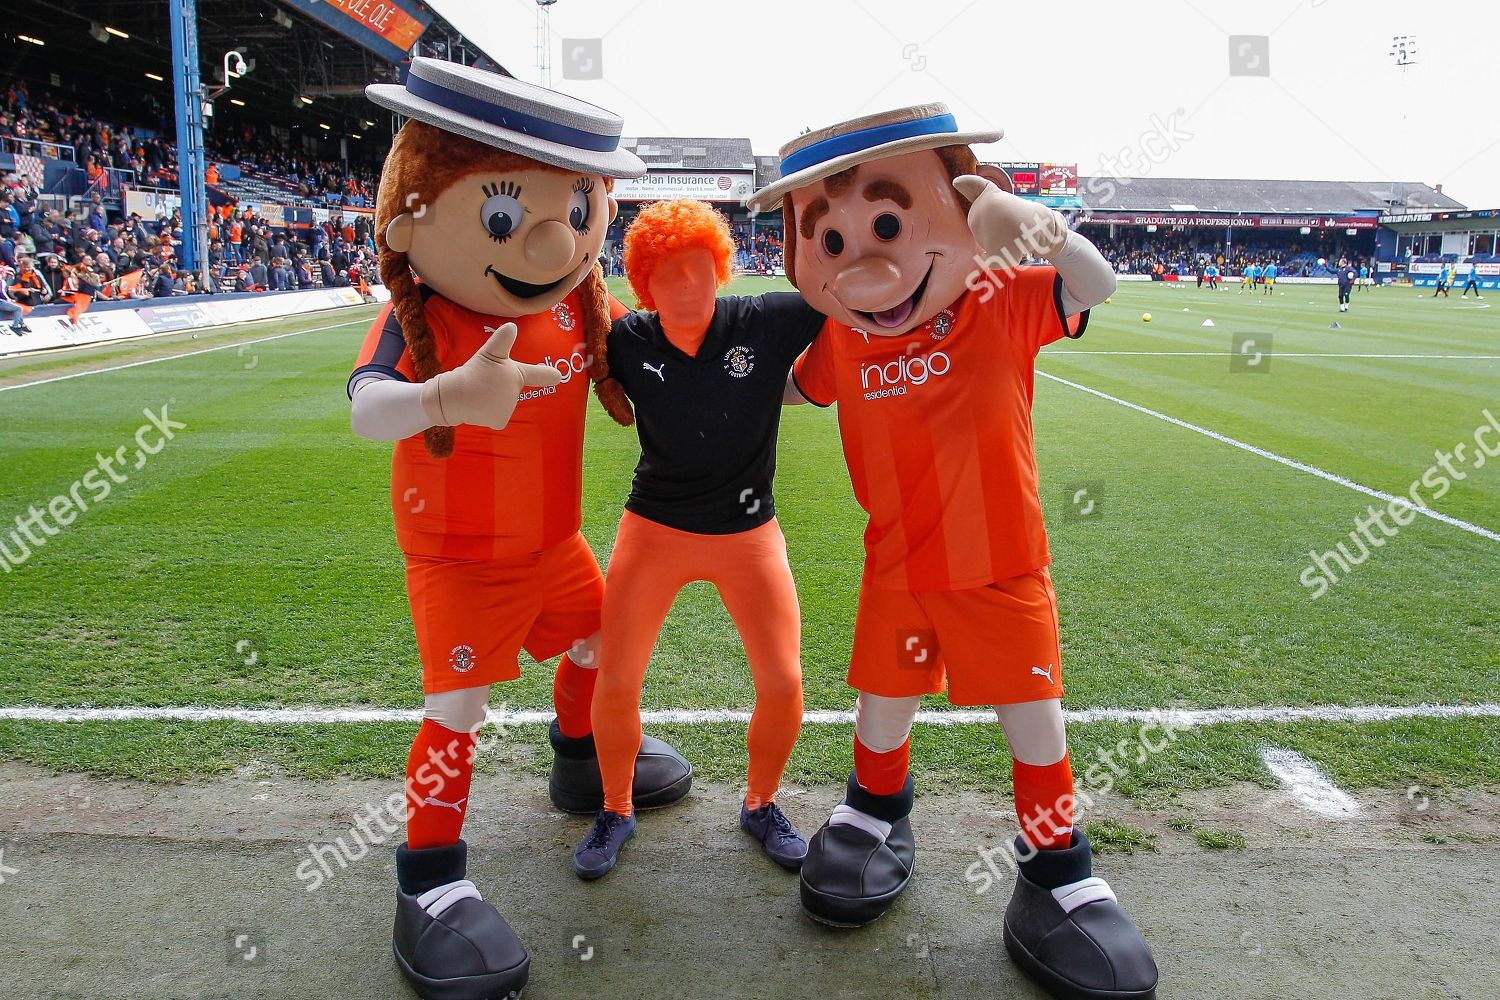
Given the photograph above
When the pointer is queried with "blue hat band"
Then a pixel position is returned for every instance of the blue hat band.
(863, 139)
(509, 118)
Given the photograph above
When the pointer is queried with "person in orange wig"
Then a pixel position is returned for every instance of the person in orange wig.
(702, 378)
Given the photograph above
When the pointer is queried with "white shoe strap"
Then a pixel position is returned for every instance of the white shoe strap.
(1076, 895)
(846, 815)
(435, 901)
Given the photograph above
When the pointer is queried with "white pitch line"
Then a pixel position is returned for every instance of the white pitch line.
(1307, 783)
(1177, 718)
(1290, 463)
(176, 357)
(1279, 354)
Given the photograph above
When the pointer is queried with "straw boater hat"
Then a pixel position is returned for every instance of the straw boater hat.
(508, 114)
(810, 158)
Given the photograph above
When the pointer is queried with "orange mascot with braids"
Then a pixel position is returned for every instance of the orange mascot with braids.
(490, 218)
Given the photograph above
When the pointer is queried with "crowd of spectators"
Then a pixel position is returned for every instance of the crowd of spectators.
(758, 254)
(246, 253)
(1182, 254)
(49, 256)
(150, 158)
(96, 143)
(351, 184)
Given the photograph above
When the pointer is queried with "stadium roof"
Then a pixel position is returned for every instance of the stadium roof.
(671, 153)
(767, 170)
(1179, 194)
(100, 51)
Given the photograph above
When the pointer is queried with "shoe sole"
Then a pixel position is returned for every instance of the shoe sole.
(661, 798)
(504, 985)
(1056, 985)
(594, 876)
(847, 914)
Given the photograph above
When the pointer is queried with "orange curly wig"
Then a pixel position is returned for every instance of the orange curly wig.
(665, 227)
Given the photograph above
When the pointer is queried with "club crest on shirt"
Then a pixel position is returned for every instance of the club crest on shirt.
(739, 361)
(461, 659)
(564, 317)
(942, 324)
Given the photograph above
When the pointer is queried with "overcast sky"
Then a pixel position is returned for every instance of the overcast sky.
(1068, 80)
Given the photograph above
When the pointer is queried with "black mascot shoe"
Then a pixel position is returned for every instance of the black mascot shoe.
(1065, 930)
(859, 861)
(450, 943)
(662, 775)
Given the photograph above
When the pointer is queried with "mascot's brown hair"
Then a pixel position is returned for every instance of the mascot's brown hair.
(423, 162)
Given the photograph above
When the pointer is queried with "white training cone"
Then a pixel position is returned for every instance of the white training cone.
(1208, 322)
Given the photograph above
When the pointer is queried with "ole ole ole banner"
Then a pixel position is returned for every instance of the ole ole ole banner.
(385, 27)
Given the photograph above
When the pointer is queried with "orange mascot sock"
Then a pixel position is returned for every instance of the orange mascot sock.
(572, 695)
(438, 772)
(1044, 803)
(881, 773)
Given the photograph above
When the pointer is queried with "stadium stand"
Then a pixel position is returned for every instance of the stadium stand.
(1161, 226)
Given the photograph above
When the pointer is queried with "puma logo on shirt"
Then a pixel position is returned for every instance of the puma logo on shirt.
(657, 370)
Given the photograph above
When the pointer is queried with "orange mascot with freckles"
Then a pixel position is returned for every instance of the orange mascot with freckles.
(915, 254)
(490, 218)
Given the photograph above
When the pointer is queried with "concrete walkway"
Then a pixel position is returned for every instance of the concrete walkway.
(123, 890)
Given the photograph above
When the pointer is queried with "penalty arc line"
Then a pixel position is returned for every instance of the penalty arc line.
(1177, 718)
(1290, 463)
(176, 357)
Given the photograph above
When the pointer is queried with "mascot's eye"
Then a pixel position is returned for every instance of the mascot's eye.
(501, 212)
(887, 226)
(578, 206)
(833, 242)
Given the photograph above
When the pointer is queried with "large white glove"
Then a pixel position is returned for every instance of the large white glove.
(485, 389)
(1011, 228)
(1007, 226)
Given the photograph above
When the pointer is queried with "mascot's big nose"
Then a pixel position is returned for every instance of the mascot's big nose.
(549, 246)
(868, 284)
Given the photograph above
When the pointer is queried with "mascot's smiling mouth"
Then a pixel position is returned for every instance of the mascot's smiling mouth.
(893, 317)
(522, 289)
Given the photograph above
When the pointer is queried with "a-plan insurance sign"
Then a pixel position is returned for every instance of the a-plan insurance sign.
(724, 185)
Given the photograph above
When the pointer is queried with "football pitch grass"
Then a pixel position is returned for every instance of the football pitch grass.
(251, 563)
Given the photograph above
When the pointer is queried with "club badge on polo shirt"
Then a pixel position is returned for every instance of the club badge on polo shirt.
(739, 361)
(563, 316)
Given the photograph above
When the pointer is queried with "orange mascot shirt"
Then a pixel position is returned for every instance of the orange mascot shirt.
(501, 494)
(936, 428)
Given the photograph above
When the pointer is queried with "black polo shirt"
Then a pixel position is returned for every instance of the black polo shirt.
(708, 423)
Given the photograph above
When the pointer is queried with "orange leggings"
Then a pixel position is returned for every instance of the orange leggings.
(650, 564)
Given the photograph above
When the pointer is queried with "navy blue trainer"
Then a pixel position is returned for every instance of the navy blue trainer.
(769, 825)
(601, 848)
